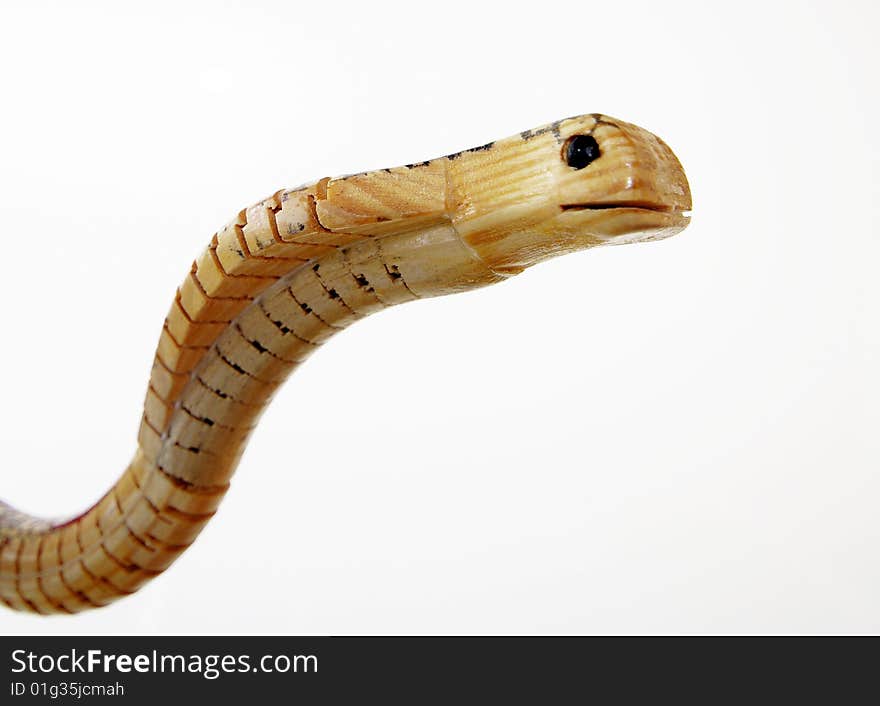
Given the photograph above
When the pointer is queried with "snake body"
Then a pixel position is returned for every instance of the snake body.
(288, 273)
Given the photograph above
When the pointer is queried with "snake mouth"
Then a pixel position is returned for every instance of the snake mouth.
(639, 205)
(626, 221)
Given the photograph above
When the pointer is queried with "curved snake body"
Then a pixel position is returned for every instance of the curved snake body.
(288, 273)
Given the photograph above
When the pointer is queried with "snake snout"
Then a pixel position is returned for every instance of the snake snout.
(636, 169)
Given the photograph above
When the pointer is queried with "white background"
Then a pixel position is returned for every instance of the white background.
(678, 437)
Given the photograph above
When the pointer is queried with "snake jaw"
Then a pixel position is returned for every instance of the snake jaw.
(621, 223)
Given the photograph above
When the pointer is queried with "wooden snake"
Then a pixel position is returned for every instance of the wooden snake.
(289, 272)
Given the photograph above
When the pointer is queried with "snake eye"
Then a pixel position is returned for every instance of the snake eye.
(580, 150)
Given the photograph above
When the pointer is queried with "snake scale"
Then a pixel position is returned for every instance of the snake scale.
(291, 271)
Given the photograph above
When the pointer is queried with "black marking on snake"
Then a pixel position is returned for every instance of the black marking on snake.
(204, 420)
(393, 272)
(235, 366)
(191, 449)
(263, 349)
(281, 327)
(417, 164)
(238, 368)
(306, 308)
(331, 292)
(362, 282)
(258, 346)
(529, 134)
(482, 148)
(554, 127)
(222, 395)
(300, 227)
(278, 324)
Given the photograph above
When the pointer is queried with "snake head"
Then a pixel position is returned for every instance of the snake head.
(577, 183)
